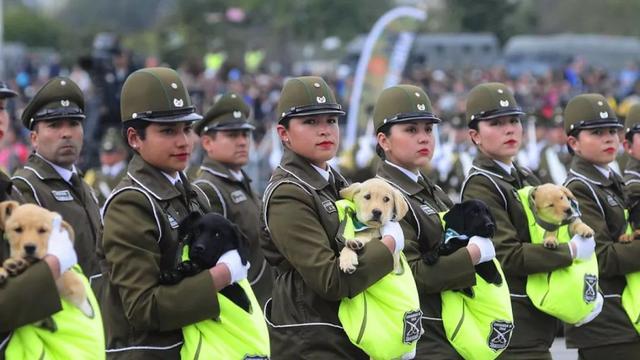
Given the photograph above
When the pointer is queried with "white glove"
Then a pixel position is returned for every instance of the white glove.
(596, 310)
(393, 229)
(487, 251)
(232, 259)
(584, 247)
(60, 246)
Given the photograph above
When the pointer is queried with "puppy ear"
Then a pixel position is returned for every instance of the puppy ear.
(533, 193)
(350, 191)
(6, 208)
(568, 193)
(72, 234)
(187, 224)
(454, 218)
(400, 206)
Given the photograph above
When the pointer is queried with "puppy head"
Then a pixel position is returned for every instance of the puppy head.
(213, 235)
(553, 203)
(471, 218)
(376, 202)
(27, 228)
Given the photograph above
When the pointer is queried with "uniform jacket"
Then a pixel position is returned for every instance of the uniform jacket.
(602, 205)
(423, 231)
(103, 184)
(299, 239)
(39, 183)
(554, 164)
(632, 191)
(143, 319)
(18, 305)
(534, 330)
(236, 201)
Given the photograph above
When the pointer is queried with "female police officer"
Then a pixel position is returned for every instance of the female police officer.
(592, 130)
(144, 318)
(301, 223)
(404, 122)
(493, 118)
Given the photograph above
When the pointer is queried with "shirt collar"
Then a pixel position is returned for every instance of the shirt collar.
(506, 167)
(172, 180)
(64, 173)
(603, 170)
(413, 176)
(114, 169)
(237, 174)
(324, 173)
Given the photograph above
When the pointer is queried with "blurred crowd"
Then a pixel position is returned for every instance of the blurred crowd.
(543, 97)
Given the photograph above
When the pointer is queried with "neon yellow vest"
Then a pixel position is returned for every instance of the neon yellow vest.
(385, 320)
(235, 335)
(568, 293)
(77, 336)
(631, 292)
(479, 327)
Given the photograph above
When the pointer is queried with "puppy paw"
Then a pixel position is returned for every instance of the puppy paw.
(15, 266)
(625, 238)
(584, 230)
(354, 244)
(348, 261)
(550, 243)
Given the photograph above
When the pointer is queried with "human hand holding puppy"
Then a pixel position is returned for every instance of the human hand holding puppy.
(481, 249)
(237, 271)
(392, 236)
(60, 252)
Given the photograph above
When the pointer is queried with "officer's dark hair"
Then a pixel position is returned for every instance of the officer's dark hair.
(575, 133)
(140, 126)
(386, 130)
(285, 122)
(629, 136)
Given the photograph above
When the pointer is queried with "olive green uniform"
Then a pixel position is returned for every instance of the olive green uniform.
(144, 319)
(18, 303)
(301, 224)
(602, 206)
(236, 201)
(41, 184)
(632, 191)
(554, 164)
(103, 183)
(534, 330)
(423, 231)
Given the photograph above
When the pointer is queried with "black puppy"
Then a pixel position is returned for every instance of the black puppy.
(464, 220)
(208, 237)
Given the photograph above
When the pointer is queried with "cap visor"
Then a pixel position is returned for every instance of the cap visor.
(511, 112)
(432, 120)
(6, 93)
(613, 124)
(171, 119)
(317, 112)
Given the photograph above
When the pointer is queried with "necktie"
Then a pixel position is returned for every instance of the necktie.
(332, 184)
(181, 189)
(515, 175)
(76, 185)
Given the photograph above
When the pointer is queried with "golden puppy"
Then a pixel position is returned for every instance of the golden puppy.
(553, 206)
(376, 203)
(27, 229)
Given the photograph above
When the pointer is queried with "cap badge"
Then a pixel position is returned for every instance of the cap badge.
(174, 85)
(64, 103)
(504, 103)
(316, 85)
(321, 99)
(237, 114)
(604, 114)
(421, 107)
(500, 91)
(63, 83)
(178, 102)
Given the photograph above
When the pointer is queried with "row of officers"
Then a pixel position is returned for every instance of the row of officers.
(294, 231)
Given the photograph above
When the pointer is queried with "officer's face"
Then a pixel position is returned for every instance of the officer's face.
(598, 146)
(165, 146)
(314, 137)
(633, 148)
(4, 118)
(230, 147)
(59, 141)
(498, 138)
(409, 145)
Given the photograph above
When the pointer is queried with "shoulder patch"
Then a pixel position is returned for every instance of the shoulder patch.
(62, 195)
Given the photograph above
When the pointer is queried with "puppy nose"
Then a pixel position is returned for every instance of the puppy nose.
(376, 213)
(30, 249)
(198, 249)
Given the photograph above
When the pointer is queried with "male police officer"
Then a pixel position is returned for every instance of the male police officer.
(225, 135)
(50, 178)
(113, 161)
